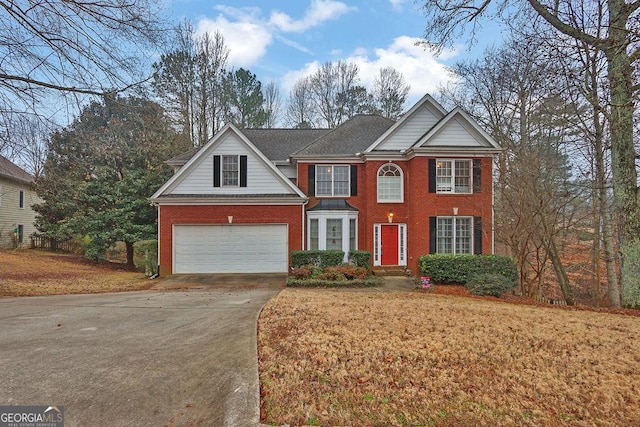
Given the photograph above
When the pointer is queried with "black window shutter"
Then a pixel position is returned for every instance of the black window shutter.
(243, 171)
(432, 234)
(216, 171)
(312, 180)
(477, 175)
(354, 180)
(477, 235)
(432, 175)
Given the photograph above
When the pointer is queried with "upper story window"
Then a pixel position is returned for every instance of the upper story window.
(230, 171)
(390, 183)
(21, 201)
(332, 180)
(454, 176)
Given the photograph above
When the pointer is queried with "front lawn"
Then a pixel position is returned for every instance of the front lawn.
(414, 359)
(30, 273)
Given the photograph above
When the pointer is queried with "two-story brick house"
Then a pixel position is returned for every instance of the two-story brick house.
(401, 189)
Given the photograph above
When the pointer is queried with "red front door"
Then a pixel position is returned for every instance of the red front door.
(389, 244)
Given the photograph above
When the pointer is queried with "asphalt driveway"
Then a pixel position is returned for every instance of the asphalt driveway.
(151, 358)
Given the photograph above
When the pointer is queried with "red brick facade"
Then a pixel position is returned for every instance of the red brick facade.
(209, 214)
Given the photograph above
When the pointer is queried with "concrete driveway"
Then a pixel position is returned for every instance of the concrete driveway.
(149, 358)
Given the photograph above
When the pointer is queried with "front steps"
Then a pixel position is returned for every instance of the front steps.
(389, 270)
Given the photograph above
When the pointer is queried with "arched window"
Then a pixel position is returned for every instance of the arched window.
(390, 187)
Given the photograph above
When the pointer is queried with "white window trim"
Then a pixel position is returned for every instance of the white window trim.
(453, 176)
(322, 217)
(453, 246)
(401, 199)
(222, 184)
(402, 243)
(333, 188)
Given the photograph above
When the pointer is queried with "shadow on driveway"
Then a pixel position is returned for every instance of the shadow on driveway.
(217, 281)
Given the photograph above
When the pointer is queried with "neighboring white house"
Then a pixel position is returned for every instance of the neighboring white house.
(17, 195)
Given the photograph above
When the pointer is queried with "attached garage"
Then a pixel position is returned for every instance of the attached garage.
(230, 248)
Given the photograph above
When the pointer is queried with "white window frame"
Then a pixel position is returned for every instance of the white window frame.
(333, 181)
(223, 170)
(450, 187)
(400, 197)
(402, 243)
(454, 235)
(344, 217)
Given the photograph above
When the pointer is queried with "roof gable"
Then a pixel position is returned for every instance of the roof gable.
(457, 130)
(196, 176)
(411, 126)
(13, 172)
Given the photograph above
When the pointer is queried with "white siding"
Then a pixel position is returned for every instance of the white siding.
(11, 215)
(456, 134)
(260, 179)
(290, 171)
(412, 129)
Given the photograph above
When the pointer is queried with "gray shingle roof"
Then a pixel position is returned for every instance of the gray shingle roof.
(13, 172)
(278, 144)
(351, 137)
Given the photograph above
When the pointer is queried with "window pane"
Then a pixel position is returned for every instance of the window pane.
(463, 235)
(341, 181)
(323, 180)
(352, 234)
(334, 234)
(389, 188)
(444, 235)
(444, 176)
(230, 171)
(463, 176)
(313, 234)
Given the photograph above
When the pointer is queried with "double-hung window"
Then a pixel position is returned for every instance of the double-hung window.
(454, 235)
(230, 171)
(332, 180)
(454, 176)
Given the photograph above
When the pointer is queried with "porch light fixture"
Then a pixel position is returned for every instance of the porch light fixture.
(390, 216)
(455, 211)
(230, 219)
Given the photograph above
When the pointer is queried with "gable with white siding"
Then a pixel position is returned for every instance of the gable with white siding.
(457, 129)
(411, 127)
(196, 177)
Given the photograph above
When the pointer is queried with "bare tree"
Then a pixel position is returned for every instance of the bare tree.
(299, 112)
(390, 92)
(621, 48)
(272, 103)
(329, 86)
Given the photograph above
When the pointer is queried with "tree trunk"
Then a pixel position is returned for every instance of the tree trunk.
(561, 273)
(129, 246)
(623, 155)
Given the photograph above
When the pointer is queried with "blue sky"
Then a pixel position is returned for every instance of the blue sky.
(286, 39)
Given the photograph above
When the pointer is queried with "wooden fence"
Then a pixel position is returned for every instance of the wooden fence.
(46, 244)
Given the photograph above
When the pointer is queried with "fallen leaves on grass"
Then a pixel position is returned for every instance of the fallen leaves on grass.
(31, 273)
(346, 358)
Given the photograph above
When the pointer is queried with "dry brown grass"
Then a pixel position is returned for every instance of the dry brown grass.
(31, 273)
(414, 359)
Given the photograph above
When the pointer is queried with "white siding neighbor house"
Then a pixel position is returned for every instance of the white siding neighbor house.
(17, 195)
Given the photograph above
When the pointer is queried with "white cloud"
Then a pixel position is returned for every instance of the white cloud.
(246, 38)
(419, 66)
(319, 12)
(397, 4)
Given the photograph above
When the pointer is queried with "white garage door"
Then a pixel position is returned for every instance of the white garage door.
(230, 248)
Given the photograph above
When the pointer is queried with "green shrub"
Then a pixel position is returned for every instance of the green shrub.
(145, 256)
(318, 258)
(360, 258)
(370, 281)
(446, 269)
(489, 284)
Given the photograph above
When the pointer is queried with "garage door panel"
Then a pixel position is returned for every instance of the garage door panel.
(230, 248)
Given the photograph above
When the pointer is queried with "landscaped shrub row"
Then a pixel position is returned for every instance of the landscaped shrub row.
(339, 273)
(356, 283)
(328, 258)
(481, 274)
